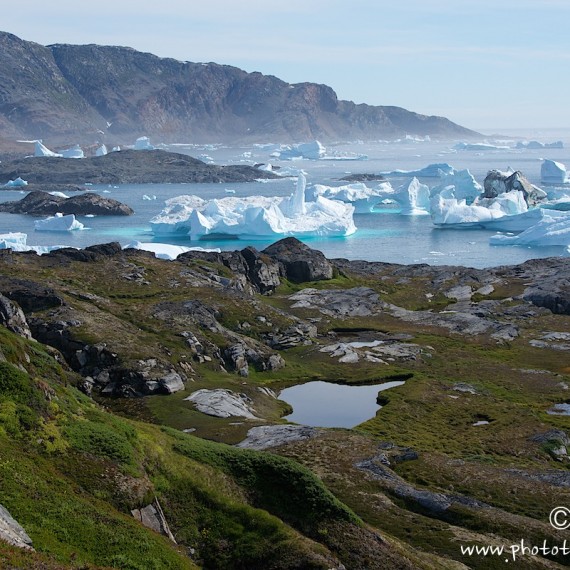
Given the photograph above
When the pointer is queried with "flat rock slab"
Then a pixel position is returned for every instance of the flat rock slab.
(12, 532)
(265, 437)
(222, 403)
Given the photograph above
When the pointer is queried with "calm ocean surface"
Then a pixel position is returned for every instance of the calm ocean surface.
(381, 236)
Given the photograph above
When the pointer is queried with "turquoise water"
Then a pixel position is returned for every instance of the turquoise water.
(382, 236)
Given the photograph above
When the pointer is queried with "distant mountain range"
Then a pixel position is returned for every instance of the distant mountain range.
(91, 93)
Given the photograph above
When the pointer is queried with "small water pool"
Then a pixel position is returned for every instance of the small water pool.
(324, 404)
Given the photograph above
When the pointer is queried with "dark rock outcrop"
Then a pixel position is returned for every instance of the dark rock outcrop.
(31, 296)
(81, 91)
(299, 262)
(13, 318)
(365, 177)
(44, 204)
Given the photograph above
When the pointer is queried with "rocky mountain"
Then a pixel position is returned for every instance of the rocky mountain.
(108, 93)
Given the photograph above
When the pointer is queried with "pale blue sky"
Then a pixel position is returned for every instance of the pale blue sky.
(486, 64)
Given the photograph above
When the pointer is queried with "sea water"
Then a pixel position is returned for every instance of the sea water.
(384, 235)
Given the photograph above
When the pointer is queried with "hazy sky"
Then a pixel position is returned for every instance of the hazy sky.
(484, 64)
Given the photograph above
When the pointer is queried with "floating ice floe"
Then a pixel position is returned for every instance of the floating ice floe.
(553, 229)
(73, 152)
(552, 172)
(17, 183)
(166, 250)
(312, 150)
(41, 150)
(363, 198)
(430, 171)
(143, 143)
(58, 223)
(147, 197)
(17, 241)
(101, 151)
(255, 216)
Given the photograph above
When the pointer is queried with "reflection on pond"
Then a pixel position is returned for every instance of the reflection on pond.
(323, 404)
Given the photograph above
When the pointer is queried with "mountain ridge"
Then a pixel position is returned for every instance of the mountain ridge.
(113, 93)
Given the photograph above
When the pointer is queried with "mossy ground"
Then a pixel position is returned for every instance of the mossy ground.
(74, 457)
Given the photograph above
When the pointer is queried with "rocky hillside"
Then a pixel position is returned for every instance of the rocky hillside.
(123, 379)
(115, 93)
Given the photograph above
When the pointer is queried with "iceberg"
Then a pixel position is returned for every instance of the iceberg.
(552, 229)
(484, 212)
(58, 223)
(17, 183)
(430, 171)
(312, 150)
(363, 198)
(480, 146)
(41, 150)
(101, 151)
(552, 172)
(143, 143)
(497, 183)
(255, 216)
(538, 144)
(165, 250)
(17, 241)
(460, 185)
(73, 152)
(414, 197)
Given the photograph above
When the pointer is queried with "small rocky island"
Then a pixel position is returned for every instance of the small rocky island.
(128, 167)
(45, 204)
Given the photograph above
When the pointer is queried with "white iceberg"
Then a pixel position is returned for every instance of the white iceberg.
(552, 172)
(165, 250)
(553, 229)
(101, 151)
(438, 170)
(460, 185)
(58, 223)
(17, 241)
(255, 216)
(363, 198)
(41, 150)
(143, 143)
(17, 183)
(483, 212)
(480, 146)
(414, 197)
(312, 150)
(73, 152)
(539, 145)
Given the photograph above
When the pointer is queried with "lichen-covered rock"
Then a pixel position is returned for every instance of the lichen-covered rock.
(265, 437)
(12, 532)
(222, 403)
(13, 318)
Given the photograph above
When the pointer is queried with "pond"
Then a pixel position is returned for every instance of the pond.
(324, 404)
